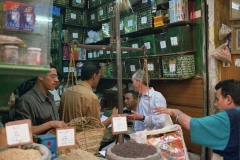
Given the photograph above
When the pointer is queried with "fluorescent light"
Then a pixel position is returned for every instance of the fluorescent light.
(235, 5)
(43, 19)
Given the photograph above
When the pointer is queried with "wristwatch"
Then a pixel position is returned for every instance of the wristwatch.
(143, 119)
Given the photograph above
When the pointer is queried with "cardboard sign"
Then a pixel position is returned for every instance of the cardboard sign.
(19, 132)
(66, 138)
(119, 124)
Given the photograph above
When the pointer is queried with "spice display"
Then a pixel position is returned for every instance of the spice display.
(144, 19)
(178, 66)
(134, 150)
(10, 154)
(171, 145)
(10, 54)
(130, 23)
(80, 155)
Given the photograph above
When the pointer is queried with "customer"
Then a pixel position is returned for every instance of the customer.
(144, 116)
(80, 99)
(38, 104)
(131, 101)
(220, 131)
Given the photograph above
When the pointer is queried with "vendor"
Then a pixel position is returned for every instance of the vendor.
(38, 104)
(130, 100)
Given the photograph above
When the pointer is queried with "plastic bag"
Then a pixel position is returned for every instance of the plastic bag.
(224, 31)
(222, 53)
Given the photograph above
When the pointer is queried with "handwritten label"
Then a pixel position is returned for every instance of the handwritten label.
(17, 134)
(135, 45)
(73, 16)
(101, 12)
(100, 52)
(130, 23)
(150, 67)
(144, 20)
(148, 45)
(132, 68)
(174, 41)
(163, 44)
(119, 124)
(78, 1)
(92, 16)
(90, 55)
(65, 137)
(75, 35)
(172, 67)
(108, 52)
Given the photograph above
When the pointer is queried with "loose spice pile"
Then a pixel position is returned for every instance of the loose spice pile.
(19, 154)
(134, 150)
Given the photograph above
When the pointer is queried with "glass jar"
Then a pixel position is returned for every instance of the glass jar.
(34, 56)
(10, 54)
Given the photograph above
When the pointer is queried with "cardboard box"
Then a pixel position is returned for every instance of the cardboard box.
(11, 15)
(27, 18)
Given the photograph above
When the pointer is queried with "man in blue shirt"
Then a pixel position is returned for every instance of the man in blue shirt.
(220, 131)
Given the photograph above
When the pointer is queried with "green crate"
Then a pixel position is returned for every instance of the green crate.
(130, 23)
(72, 16)
(162, 43)
(78, 3)
(178, 66)
(107, 54)
(151, 43)
(135, 43)
(75, 34)
(154, 67)
(93, 3)
(93, 17)
(84, 19)
(180, 39)
(144, 19)
(101, 54)
(102, 13)
(125, 53)
(131, 66)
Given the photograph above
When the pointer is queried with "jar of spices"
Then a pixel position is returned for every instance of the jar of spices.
(34, 56)
(10, 54)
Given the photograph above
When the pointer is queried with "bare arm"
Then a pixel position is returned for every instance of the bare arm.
(182, 118)
(48, 125)
(108, 121)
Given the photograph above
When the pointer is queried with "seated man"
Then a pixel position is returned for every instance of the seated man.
(38, 104)
(131, 100)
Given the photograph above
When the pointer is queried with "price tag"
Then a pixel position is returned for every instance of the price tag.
(90, 55)
(163, 44)
(144, 20)
(73, 16)
(19, 132)
(92, 16)
(150, 67)
(130, 23)
(144, 1)
(148, 45)
(66, 138)
(135, 45)
(172, 68)
(119, 125)
(132, 68)
(75, 35)
(101, 12)
(174, 41)
(78, 1)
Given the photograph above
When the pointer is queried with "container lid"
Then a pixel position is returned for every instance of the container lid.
(35, 49)
(8, 46)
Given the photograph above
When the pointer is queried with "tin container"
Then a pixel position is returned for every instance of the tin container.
(10, 54)
(34, 56)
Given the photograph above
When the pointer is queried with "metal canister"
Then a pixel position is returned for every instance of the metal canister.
(34, 56)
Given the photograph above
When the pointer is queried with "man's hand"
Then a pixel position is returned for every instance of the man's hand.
(58, 124)
(114, 111)
(134, 116)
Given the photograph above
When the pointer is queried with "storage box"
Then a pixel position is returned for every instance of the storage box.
(154, 67)
(115, 71)
(178, 66)
(135, 43)
(84, 19)
(11, 15)
(163, 43)
(78, 3)
(93, 3)
(72, 16)
(55, 10)
(125, 53)
(27, 18)
(180, 39)
(93, 17)
(49, 140)
(130, 23)
(132, 65)
(144, 4)
(102, 13)
(144, 19)
(75, 34)
(151, 43)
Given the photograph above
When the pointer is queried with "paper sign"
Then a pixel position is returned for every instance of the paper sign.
(66, 138)
(163, 44)
(73, 16)
(174, 41)
(150, 67)
(119, 125)
(132, 68)
(172, 68)
(19, 132)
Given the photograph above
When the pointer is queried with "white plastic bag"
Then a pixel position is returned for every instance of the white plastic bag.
(222, 53)
(224, 31)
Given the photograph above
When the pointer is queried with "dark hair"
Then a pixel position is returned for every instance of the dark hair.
(89, 69)
(53, 66)
(134, 94)
(230, 87)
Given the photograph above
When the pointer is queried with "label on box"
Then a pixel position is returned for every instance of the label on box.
(121, 25)
(65, 69)
(100, 52)
(119, 124)
(144, 20)
(132, 68)
(163, 44)
(90, 55)
(135, 45)
(150, 67)
(78, 1)
(73, 16)
(144, 1)
(148, 45)
(108, 52)
(124, 52)
(130, 23)
(95, 54)
(101, 12)
(75, 35)
(172, 67)
(106, 29)
(174, 41)
(92, 16)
